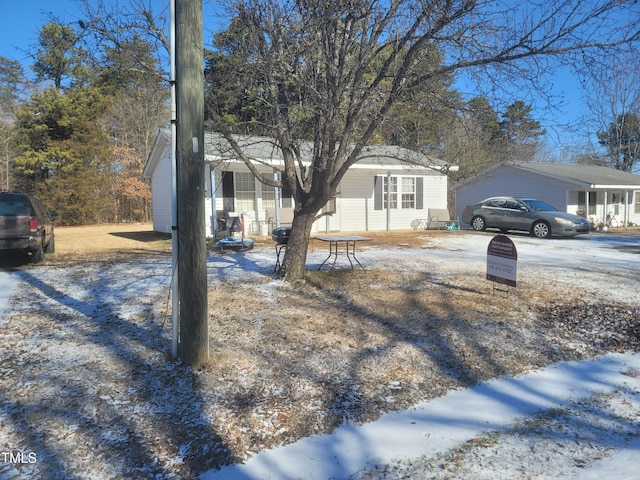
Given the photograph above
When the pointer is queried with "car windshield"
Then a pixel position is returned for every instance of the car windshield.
(538, 206)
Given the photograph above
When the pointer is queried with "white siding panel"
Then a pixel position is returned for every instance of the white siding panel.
(161, 194)
(357, 201)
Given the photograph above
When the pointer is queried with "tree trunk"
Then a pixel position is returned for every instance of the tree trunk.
(295, 258)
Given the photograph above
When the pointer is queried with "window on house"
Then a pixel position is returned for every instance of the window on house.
(408, 192)
(268, 197)
(245, 192)
(593, 201)
(636, 196)
(405, 192)
(393, 191)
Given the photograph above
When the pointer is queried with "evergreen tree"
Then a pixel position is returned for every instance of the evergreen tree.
(519, 132)
(65, 153)
(622, 141)
(11, 77)
(58, 56)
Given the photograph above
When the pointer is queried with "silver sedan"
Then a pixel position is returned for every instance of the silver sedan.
(525, 214)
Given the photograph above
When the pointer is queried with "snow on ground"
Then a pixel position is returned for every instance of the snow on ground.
(8, 283)
(407, 444)
(576, 420)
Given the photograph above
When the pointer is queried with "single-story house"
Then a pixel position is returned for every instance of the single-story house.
(593, 192)
(418, 183)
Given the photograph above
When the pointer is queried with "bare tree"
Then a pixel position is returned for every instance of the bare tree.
(614, 103)
(331, 71)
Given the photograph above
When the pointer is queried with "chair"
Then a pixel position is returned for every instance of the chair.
(438, 218)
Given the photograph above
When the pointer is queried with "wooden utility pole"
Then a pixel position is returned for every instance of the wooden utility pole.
(193, 342)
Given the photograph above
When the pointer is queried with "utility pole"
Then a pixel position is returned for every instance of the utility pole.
(193, 342)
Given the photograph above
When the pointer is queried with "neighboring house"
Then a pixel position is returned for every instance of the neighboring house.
(418, 183)
(590, 191)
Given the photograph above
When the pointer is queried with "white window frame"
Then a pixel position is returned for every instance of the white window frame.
(245, 190)
(408, 193)
(394, 192)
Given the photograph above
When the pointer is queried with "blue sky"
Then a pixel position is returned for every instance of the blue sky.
(20, 23)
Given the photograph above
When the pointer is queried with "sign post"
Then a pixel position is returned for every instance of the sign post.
(502, 261)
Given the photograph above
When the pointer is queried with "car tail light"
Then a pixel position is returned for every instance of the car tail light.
(33, 224)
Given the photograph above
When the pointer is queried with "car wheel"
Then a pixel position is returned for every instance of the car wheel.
(541, 229)
(38, 254)
(478, 224)
(51, 246)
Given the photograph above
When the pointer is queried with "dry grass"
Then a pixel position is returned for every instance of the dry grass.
(292, 361)
(287, 360)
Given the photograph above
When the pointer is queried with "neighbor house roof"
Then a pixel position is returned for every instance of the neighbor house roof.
(265, 151)
(583, 176)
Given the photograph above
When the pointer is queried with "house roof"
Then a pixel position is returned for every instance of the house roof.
(583, 176)
(590, 176)
(265, 151)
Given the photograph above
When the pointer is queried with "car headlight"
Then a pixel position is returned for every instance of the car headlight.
(563, 221)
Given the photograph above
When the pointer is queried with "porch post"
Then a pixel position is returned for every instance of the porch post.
(276, 198)
(214, 213)
(388, 201)
(628, 196)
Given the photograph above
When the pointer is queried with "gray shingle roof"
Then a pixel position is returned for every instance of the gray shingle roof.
(265, 150)
(590, 176)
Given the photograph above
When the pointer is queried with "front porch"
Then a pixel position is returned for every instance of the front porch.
(610, 208)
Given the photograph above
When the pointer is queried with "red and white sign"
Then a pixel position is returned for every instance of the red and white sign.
(502, 261)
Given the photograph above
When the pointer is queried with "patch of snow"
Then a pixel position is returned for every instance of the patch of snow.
(431, 428)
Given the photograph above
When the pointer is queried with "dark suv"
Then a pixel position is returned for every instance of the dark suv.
(25, 225)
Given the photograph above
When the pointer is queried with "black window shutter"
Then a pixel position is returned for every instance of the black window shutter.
(377, 192)
(228, 192)
(419, 193)
(286, 196)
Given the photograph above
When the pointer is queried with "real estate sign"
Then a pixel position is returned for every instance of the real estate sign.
(502, 261)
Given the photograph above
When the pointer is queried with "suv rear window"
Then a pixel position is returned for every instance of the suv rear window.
(15, 204)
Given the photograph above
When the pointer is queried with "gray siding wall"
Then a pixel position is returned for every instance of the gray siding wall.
(508, 181)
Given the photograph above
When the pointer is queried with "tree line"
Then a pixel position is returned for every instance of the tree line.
(334, 73)
(78, 131)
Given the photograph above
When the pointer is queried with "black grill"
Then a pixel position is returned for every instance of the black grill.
(280, 235)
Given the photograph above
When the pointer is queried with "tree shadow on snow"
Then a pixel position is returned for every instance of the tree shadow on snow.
(93, 375)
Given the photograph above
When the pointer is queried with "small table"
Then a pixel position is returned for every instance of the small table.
(349, 248)
(279, 247)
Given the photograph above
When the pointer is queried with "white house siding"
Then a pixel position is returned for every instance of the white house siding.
(508, 181)
(634, 213)
(161, 198)
(355, 203)
(358, 206)
(357, 200)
